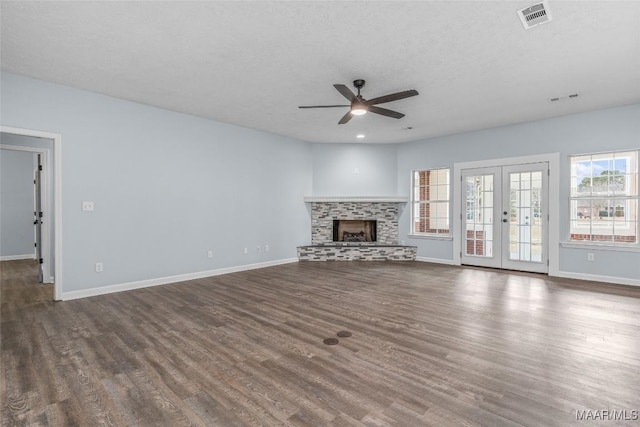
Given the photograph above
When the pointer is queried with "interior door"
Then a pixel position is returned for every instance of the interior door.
(504, 219)
(38, 217)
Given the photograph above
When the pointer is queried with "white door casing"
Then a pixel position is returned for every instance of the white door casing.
(518, 253)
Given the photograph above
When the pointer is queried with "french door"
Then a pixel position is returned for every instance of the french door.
(505, 217)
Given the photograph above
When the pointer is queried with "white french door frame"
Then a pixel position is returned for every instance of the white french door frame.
(57, 197)
(491, 226)
(553, 228)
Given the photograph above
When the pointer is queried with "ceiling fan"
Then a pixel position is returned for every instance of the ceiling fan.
(360, 106)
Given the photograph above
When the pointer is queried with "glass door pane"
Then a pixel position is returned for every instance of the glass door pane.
(525, 189)
(481, 244)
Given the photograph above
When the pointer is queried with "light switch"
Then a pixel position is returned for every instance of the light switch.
(87, 206)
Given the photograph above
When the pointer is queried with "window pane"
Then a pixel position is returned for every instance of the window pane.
(604, 198)
(430, 213)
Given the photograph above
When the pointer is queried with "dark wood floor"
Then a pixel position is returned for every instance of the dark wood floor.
(431, 345)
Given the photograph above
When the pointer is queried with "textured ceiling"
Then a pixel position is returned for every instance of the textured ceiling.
(253, 63)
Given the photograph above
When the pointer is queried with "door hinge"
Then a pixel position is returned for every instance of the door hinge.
(41, 261)
(34, 181)
(40, 214)
(39, 167)
(35, 244)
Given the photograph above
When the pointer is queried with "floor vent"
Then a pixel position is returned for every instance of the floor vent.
(535, 15)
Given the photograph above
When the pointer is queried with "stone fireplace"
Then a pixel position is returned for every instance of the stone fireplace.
(355, 228)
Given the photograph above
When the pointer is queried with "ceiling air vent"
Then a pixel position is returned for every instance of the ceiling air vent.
(535, 15)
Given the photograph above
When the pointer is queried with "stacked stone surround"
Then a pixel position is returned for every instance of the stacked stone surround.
(323, 214)
(356, 253)
(385, 212)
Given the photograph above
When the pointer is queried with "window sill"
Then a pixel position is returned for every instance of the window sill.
(430, 236)
(601, 246)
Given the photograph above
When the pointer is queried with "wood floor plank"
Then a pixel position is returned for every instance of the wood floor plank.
(431, 345)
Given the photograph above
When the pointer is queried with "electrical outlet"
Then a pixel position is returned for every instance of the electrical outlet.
(266, 248)
(246, 251)
(99, 267)
(591, 256)
(210, 254)
(87, 206)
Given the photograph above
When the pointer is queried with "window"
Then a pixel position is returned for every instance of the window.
(430, 202)
(604, 198)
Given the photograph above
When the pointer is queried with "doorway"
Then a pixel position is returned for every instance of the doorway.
(505, 217)
(25, 200)
(47, 222)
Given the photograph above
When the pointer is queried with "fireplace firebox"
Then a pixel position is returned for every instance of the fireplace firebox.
(354, 231)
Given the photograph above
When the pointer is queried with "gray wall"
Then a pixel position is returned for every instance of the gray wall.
(16, 203)
(167, 187)
(354, 170)
(598, 131)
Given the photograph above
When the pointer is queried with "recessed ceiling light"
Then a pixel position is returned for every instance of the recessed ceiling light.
(360, 135)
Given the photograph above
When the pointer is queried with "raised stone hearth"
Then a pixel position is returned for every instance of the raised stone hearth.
(382, 210)
(356, 253)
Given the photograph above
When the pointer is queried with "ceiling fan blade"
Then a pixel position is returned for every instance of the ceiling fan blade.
(345, 91)
(385, 112)
(345, 118)
(322, 106)
(392, 97)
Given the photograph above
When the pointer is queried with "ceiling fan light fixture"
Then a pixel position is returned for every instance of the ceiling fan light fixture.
(360, 106)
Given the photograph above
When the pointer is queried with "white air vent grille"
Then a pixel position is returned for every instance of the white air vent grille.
(535, 15)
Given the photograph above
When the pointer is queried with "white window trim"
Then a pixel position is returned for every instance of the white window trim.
(431, 236)
(412, 201)
(615, 247)
(594, 244)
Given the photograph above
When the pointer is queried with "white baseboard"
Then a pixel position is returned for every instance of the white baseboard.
(597, 278)
(170, 279)
(436, 260)
(17, 257)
